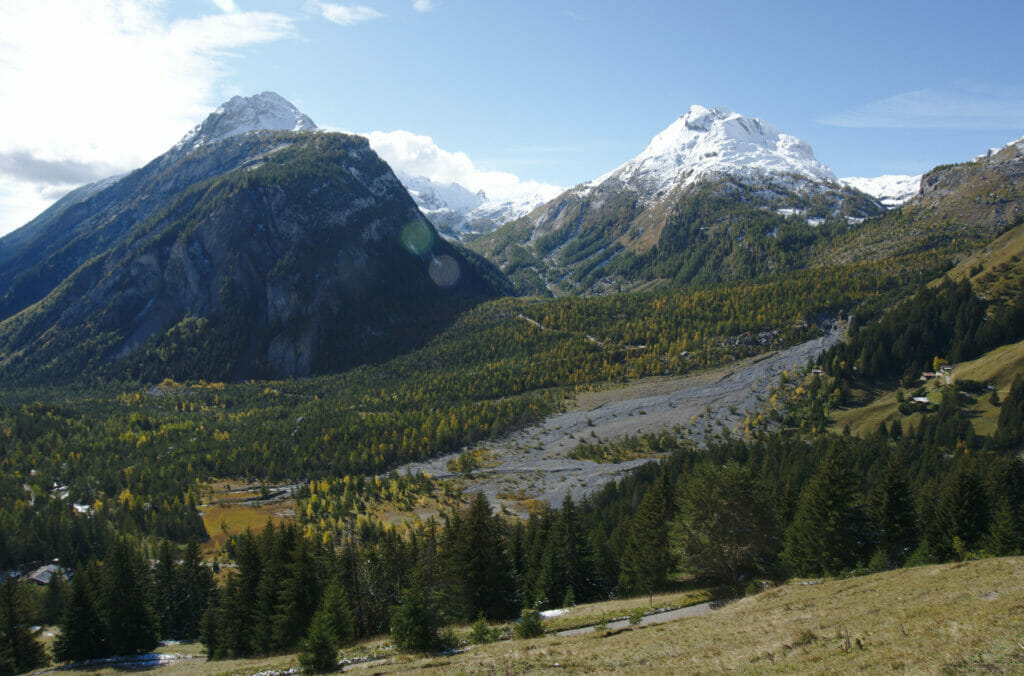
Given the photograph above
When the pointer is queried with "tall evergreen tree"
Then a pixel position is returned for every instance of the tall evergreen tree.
(83, 633)
(130, 619)
(647, 558)
(319, 649)
(892, 514)
(166, 597)
(20, 648)
(962, 513)
(829, 532)
(56, 595)
(479, 558)
(726, 526)
(298, 598)
(338, 611)
(194, 586)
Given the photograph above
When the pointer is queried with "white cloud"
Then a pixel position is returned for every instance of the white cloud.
(106, 85)
(419, 156)
(423, 5)
(961, 107)
(348, 15)
(226, 5)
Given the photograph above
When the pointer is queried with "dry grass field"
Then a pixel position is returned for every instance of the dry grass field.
(952, 618)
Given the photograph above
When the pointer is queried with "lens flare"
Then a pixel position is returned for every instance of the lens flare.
(417, 238)
(444, 271)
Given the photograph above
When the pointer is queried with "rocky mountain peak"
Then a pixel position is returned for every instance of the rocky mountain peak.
(239, 115)
(716, 141)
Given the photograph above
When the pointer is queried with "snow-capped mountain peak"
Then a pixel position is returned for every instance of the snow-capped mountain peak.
(715, 141)
(239, 115)
(892, 190)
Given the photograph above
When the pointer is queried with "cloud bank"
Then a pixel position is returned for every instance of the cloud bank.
(419, 156)
(100, 87)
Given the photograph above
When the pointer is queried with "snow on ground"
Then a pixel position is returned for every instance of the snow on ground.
(892, 190)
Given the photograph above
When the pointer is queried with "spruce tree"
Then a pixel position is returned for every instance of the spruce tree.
(83, 634)
(56, 595)
(1003, 538)
(414, 622)
(130, 619)
(20, 649)
(647, 558)
(339, 614)
(893, 516)
(194, 585)
(298, 598)
(829, 532)
(319, 650)
(479, 558)
(962, 513)
(725, 528)
(165, 592)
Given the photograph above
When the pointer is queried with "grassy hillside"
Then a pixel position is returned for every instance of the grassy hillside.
(952, 618)
(963, 617)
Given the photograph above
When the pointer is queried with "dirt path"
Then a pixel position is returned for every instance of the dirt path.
(653, 618)
(533, 462)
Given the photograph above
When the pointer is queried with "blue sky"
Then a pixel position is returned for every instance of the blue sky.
(555, 91)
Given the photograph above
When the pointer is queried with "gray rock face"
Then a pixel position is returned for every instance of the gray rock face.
(265, 254)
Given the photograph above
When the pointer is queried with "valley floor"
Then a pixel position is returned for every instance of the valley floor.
(534, 465)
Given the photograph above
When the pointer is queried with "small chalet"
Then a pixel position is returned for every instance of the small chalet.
(44, 574)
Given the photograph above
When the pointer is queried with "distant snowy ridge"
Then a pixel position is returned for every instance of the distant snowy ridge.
(239, 115)
(460, 211)
(707, 142)
(892, 190)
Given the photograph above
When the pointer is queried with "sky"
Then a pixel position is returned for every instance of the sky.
(505, 96)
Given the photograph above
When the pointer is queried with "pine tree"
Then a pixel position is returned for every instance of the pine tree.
(83, 634)
(130, 619)
(1003, 538)
(194, 585)
(165, 592)
(20, 649)
(56, 595)
(829, 532)
(339, 614)
(298, 598)
(319, 650)
(478, 557)
(893, 515)
(647, 558)
(726, 527)
(414, 622)
(962, 513)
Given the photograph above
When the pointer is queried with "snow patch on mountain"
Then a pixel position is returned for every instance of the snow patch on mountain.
(239, 115)
(708, 142)
(892, 190)
(431, 196)
(459, 211)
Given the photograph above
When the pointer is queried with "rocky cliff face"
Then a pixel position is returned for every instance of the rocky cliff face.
(264, 254)
(987, 193)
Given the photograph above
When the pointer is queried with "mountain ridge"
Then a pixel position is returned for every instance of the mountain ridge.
(589, 238)
(263, 253)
